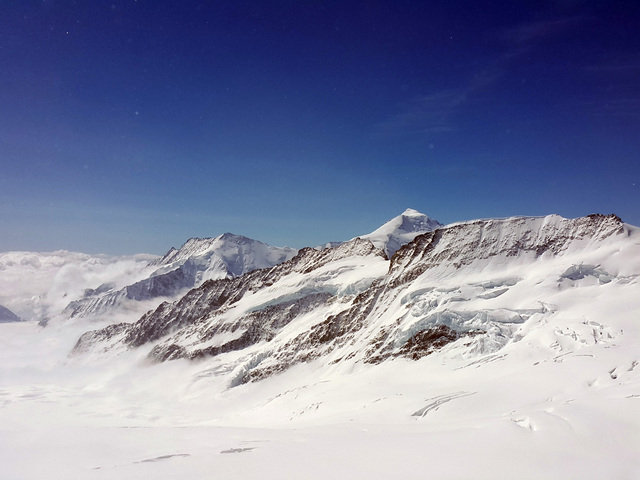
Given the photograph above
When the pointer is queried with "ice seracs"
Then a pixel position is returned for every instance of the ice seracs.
(401, 230)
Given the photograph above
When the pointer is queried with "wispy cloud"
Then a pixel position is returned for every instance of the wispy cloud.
(529, 32)
(436, 112)
(617, 75)
(622, 108)
(622, 63)
(430, 113)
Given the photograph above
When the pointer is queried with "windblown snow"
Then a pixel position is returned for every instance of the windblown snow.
(501, 348)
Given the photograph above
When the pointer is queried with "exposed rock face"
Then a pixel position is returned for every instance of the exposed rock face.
(256, 326)
(426, 341)
(349, 303)
(102, 339)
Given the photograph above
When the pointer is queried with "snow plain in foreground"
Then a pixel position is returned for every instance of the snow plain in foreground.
(519, 414)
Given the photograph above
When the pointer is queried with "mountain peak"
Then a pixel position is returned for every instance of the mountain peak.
(401, 230)
(410, 212)
(232, 237)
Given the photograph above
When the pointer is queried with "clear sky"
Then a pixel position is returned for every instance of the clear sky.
(129, 126)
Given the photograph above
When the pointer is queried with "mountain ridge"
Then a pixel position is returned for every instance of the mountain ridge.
(350, 301)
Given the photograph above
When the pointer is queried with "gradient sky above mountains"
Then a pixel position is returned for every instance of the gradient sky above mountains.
(129, 126)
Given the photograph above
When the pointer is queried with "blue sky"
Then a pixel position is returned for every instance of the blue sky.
(129, 126)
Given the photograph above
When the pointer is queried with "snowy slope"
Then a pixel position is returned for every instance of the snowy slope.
(401, 230)
(312, 283)
(7, 315)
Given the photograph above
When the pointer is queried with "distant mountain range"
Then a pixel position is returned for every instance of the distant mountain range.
(134, 285)
(225, 256)
(198, 260)
(409, 288)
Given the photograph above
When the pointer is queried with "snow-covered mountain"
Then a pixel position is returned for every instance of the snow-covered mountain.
(474, 285)
(401, 230)
(198, 260)
(225, 256)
